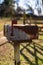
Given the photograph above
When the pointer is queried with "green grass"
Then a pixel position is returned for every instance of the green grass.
(41, 37)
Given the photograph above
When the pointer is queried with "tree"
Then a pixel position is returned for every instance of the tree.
(38, 6)
(42, 2)
(30, 9)
(7, 7)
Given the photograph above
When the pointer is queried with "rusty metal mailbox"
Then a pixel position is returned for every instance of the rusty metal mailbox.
(21, 32)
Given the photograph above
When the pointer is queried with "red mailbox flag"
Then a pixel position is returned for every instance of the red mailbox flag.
(13, 22)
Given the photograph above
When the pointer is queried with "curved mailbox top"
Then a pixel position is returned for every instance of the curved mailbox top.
(29, 29)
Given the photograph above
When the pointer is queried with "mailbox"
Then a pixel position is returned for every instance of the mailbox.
(21, 32)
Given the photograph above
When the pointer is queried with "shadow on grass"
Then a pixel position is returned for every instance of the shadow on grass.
(33, 46)
(34, 54)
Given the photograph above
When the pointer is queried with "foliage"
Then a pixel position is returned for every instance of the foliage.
(6, 8)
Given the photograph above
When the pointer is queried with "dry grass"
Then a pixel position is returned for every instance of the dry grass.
(29, 54)
(4, 21)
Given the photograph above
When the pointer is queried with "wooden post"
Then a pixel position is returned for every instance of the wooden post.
(30, 19)
(17, 53)
(24, 17)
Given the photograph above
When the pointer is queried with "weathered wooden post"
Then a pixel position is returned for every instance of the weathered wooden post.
(24, 17)
(17, 53)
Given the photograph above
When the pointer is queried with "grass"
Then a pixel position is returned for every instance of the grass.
(41, 37)
(4, 21)
(30, 53)
(1, 27)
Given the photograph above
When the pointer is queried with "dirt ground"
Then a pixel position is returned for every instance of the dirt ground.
(1, 34)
